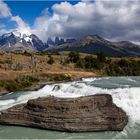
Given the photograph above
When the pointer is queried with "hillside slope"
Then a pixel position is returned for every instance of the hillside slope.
(94, 43)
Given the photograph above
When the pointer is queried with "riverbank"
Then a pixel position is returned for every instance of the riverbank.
(32, 71)
(74, 76)
(25, 71)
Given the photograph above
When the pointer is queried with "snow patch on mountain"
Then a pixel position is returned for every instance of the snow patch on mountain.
(28, 39)
(23, 35)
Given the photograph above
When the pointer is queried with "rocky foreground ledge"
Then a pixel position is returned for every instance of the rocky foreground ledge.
(90, 113)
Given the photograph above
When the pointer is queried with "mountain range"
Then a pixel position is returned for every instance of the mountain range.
(91, 44)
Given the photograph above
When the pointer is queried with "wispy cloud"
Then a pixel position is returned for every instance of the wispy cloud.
(5, 12)
(21, 25)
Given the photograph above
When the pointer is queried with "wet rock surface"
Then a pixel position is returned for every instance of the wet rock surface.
(89, 113)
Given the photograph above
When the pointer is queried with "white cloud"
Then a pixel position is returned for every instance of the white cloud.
(6, 13)
(118, 20)
(65, 17)
(4, 10)
(22, 27)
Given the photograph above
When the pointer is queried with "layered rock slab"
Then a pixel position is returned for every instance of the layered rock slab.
(83, 114)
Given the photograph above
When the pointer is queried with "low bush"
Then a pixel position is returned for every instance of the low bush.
(19, 84)
(89, 63)
(123, 67)
(73, 57)
(62, 77)
(51, 60)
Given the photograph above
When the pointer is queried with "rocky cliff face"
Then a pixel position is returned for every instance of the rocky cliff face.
(91, 113)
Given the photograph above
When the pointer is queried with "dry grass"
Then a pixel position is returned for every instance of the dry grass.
(43, 71)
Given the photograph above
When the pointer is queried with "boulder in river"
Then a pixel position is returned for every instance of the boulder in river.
(82, 114)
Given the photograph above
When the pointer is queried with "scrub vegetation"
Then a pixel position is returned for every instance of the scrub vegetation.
(21, 70)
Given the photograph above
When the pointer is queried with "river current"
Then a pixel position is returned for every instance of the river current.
(125, 92)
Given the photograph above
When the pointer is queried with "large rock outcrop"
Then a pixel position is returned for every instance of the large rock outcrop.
(90, 113)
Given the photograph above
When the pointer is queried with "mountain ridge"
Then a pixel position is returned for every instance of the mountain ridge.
(15, 41)
(91, 44)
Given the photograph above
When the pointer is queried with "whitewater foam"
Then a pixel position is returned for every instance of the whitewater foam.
(128, 98)
(6, 102)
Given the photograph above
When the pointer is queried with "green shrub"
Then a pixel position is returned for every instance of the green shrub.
(51, 60)
(19, 84)
(80, 64)
(8, 61)
(61, 77)
(13, 86)
(89, 63)
(2, 62)
(73, 57)
(101, 57)
(27, 79)
(123, 67)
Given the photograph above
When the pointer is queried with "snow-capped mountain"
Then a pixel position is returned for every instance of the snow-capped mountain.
(25, 41)
(17, 41)
(91, 44)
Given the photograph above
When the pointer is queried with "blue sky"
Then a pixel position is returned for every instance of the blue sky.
(29, 10)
